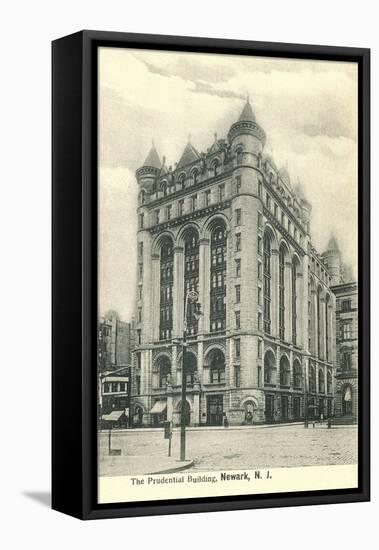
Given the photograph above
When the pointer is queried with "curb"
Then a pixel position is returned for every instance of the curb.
(181, 468)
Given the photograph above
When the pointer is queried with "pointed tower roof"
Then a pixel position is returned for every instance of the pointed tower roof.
(152, 159)
(283, 173)
(189, 155)
(247, 114)
(332, 244)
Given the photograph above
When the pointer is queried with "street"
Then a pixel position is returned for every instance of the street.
(233, 449)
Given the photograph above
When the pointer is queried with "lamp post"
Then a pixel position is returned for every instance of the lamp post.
(191, 297)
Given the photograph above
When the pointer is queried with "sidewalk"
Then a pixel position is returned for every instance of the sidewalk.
(141, 465)
(248, 427)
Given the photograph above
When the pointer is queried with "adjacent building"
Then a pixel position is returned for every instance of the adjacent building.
(346, 293)
(229, 224)
(115, 341)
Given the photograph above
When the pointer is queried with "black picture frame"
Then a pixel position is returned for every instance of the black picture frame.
(74, 272)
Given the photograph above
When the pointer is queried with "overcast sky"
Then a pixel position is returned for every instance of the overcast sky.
(308, 110)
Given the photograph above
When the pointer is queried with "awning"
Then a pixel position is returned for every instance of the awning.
(159, 407)
(114, 415)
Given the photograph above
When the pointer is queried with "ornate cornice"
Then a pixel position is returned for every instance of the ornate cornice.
(190, 216)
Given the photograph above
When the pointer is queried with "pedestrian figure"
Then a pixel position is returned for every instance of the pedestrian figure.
(321, 418)
(226, 422)
(314, 423)
(329, 422)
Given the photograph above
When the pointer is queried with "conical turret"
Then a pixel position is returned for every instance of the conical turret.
(150, 170)
(248, 131)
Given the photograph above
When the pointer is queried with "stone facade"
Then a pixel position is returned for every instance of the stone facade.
(228, 224)
(347, 349)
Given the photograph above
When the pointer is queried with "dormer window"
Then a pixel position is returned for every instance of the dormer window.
(195, 176)
(215, 167)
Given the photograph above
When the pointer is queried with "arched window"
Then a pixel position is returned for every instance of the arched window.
(239, 155)
(164, 369)
(217, 367)
(282, 261)
(269, 368)
(143, 196)
(347, 400)
(181, 180)
(190, 368)
(167, 280)
(297, 375)
(164, 188)
(346, 360)
(312, 379)
(267, 282)
(191, 275)
(329, 385)
(218, 277)
(294, 300)
(327, 301)
(284, 371)
(195, 176)
(215, 167)
(321, 381)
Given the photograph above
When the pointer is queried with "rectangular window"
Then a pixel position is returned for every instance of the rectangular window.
(238, 268)
(168, 212)
(140, 270)
(157, 216)
(140, 292)
(259, 320)
(238, 320)
(238, 294)
(260, 271)
(259, 296)
(275, 210)
(238, 184)
(140, 249)
(260, 220)
(139, 314)
(139, 336)
(260, 189)
(260, 349)
(259, 376)
(259, 244)
(221, 192)
(138, 385)
(268, 201)
(237, 376)
(180, 207)
(238, 242)
(237, 347)
(238, 216)
(289, 226)
(193, 202)
(345, 305)
(207, 197)
(283, 219)
(141, 220)
(346, 331)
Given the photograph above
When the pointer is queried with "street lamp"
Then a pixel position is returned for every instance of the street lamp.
(191, 297)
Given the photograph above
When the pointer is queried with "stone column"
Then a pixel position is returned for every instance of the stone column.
(200, 361)
(277, 367)
(304, 305)
(174, 365)
(322, 328)
(204, 284)
(178, 292)
(196, 404)
(288, 301)
(155, 284)
(299, 311)
(314, 323)
(274, 292)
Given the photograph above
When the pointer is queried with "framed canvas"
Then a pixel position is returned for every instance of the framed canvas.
(211, 274)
